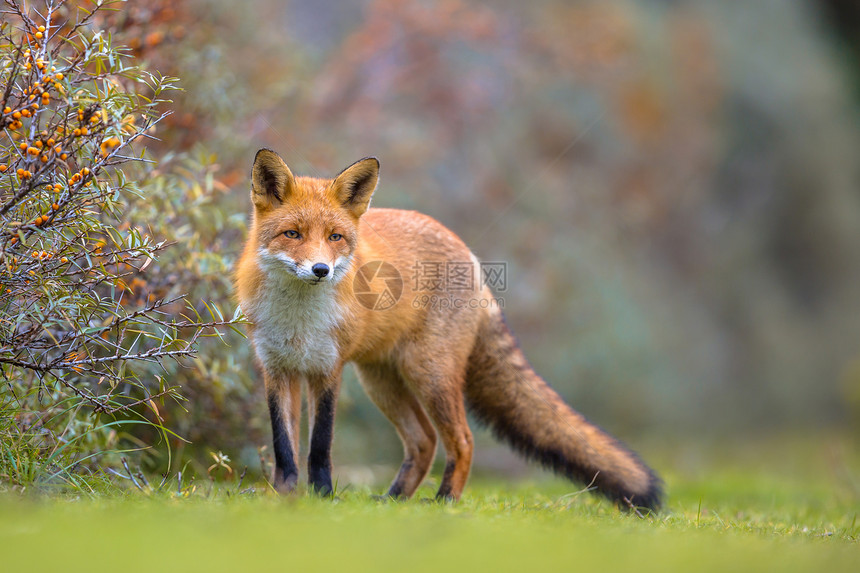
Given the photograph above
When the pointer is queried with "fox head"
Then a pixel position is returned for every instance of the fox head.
(307, 228)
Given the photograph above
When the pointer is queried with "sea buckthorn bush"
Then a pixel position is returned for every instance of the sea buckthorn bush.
(87, 338)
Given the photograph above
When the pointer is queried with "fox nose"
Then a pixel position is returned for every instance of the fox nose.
(320, 269)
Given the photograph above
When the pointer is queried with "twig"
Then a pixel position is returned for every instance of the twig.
(241, 478)
(629, 502)
(130, 475)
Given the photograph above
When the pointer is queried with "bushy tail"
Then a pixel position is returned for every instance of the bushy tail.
(504, 392)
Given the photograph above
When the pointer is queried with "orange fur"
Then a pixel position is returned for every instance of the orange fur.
(421, 364)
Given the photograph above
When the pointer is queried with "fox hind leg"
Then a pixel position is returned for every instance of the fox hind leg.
(448, 412)
(438, 383)
(387, 390)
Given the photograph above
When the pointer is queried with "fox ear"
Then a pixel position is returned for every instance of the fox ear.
(354, 186)
(271, 180)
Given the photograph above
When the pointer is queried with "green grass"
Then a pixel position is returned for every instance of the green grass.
(784, 508)
(490, 530)
(519, 529)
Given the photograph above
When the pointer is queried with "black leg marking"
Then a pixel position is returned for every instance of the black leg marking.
(444, 492)
(319, 459)
(286, 471)
(396, 489)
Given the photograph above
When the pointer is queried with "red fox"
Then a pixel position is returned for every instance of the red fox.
(305, 280)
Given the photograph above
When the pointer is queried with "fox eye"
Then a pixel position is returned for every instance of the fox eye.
(335, 237)
(292, 234)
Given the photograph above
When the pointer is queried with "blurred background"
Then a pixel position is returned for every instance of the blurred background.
(674, 185)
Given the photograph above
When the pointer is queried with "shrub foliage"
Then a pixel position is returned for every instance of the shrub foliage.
(84, 338)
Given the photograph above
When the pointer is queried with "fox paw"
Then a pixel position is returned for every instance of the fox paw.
(285, 485)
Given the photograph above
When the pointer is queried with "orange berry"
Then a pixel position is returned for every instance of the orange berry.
(51, 142)
(85, 170)
(23, 145)
(55, 206)
(41, 28)
(44, 159)
(84, 131)
(63, 156)
(3, 168)
(39, 144)
(32, 151)
(64, 260)
(7, 109)
(26, 112)
(33, 273)
(16, 115)
(58, 149)
(77, 132)
(34, 105)
(39, 35)
(58, 76)
(13, 240)
(94, 119)
(35, 254)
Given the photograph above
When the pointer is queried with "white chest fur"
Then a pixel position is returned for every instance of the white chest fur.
(295, 326)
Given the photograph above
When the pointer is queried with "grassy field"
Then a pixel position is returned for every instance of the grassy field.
(733, 516)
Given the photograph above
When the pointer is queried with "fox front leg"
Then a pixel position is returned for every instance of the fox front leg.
(322, 399)
(285, 401)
